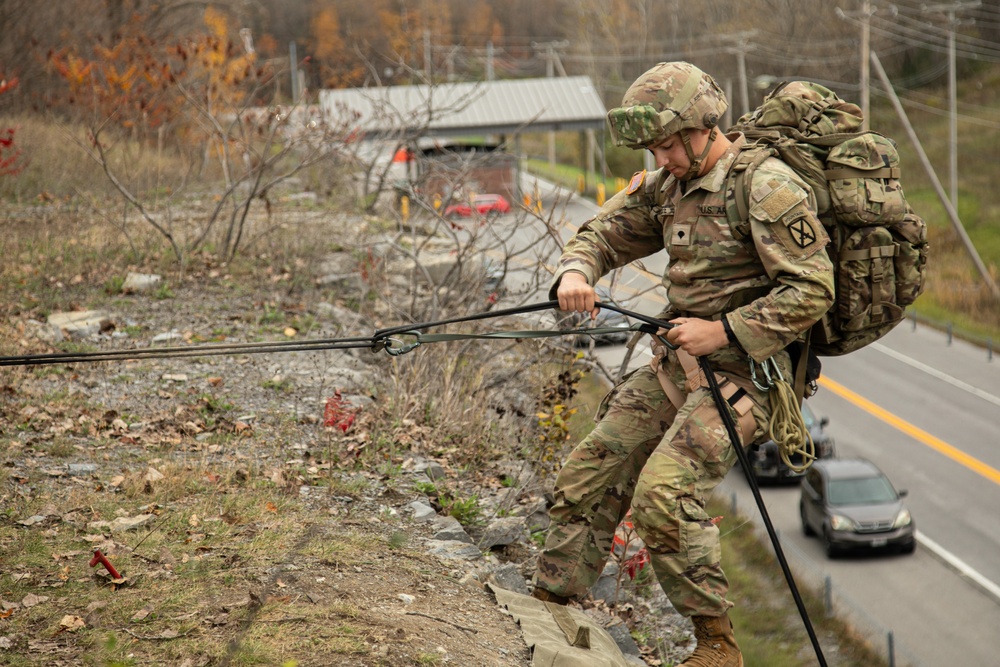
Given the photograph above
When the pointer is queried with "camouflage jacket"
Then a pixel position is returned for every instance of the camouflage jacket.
(771, 286)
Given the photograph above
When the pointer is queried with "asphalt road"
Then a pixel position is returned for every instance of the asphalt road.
(926, 412)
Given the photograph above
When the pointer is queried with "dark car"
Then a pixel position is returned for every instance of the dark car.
(606, 318)
(850, 504)
(766, 461)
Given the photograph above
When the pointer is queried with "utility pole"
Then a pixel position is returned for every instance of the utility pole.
(935, 181)
(294, 60)
(547, 51)
(949, 9)
(739, 49)
(428, 60)
(864, 16)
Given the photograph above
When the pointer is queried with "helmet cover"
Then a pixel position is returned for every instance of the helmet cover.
(666, 99)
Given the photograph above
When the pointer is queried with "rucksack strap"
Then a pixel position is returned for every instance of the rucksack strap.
(801, 368)
(847, 172)
(738, 190)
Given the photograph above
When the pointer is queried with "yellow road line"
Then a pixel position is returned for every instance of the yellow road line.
(917, 434)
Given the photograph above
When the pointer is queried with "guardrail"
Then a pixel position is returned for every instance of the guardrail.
(837, 602)
(985, 342)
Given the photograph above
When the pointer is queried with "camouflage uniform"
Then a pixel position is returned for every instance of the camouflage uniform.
(644, 452)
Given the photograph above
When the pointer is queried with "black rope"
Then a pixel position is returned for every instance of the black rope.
(187, 351)
(730, 424)
(380, 340)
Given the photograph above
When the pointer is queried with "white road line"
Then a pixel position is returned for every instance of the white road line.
(959, 565)
(944, 377)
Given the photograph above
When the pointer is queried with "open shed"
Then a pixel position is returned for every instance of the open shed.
(451, 113)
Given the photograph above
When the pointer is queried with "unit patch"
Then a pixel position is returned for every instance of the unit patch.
(636, 182)
(802, 232)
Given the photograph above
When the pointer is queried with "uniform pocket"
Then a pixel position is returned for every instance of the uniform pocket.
(699, 536)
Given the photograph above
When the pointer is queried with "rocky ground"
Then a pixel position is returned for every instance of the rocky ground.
(359, 478)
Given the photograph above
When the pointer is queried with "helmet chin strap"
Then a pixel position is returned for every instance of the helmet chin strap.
(696, 162)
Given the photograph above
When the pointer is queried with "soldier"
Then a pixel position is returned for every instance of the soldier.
(738, 292)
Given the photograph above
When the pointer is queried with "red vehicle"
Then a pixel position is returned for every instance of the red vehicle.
(487, 206)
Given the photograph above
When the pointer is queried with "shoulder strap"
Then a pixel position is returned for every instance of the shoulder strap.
(738, 187)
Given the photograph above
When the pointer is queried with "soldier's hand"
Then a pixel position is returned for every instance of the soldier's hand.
(576, 295)
(697, 337)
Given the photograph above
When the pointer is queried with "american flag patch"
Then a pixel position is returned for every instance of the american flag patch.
(636, 182)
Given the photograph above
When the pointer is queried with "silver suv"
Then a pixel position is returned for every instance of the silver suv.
(852, 505)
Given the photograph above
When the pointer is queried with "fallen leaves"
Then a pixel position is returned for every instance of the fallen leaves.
(71, 623)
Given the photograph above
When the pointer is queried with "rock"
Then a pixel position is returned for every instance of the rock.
(123, 523)
(620, 633)
(140, 282)
(32, 520)
(76, 469)
(169, 337)
(508, 576)
(502, 532)
(422, 511)
(344, 282)
(432, 469)
(347, 319)
(607, 588)
(44, 331)
(81, 324)
(348, 378)
(449, 529)
(406, 599)
(452, 550)
(537, 521)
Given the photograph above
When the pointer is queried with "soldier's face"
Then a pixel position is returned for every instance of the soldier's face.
(671, 155)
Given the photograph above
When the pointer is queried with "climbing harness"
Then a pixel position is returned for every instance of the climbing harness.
(400, 340)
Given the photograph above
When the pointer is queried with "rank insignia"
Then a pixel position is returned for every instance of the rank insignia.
(636, 182)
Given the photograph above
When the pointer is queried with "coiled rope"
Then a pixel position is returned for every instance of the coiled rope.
(787, 428)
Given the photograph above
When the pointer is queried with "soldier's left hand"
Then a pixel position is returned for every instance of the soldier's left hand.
(697, 337)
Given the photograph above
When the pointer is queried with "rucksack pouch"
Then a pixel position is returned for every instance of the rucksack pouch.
(866, 275)
(911, 260)
(863, 174)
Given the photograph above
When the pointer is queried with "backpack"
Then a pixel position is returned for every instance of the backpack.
(878, 245)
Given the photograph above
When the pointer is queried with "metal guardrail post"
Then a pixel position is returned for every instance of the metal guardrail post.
(828, 595)
(892, 650)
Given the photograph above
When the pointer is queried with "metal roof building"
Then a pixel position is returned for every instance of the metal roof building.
(459, 109)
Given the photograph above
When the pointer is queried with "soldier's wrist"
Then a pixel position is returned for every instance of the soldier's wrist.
(731, 335)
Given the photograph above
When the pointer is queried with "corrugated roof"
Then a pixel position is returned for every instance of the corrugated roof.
(503, 107)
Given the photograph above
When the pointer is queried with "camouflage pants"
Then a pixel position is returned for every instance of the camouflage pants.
(662, 462)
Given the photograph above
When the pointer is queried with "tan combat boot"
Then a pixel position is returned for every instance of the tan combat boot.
(716, 644)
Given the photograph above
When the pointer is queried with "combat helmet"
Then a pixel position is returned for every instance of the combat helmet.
(668, 98)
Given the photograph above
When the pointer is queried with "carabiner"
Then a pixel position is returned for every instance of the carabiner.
(766, 367)
(403, 347)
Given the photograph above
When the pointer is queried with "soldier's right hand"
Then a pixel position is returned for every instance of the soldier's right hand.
(576, 295)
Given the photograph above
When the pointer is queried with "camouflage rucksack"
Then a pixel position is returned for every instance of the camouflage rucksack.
(878, 244)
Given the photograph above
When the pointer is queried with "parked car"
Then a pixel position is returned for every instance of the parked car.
(486, 206)
(605, 318)
(766, 461)
(851, 504)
